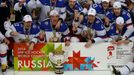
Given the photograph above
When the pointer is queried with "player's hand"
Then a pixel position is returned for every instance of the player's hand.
(113, 42)
(76, 15)
(14, 33)
(126, 41)
(74, 28)
(88, 44)
(120, 42)
(67, 43)
(6, 41)
(42, 35)
(106, 21)
(31, 46)
(81, 17)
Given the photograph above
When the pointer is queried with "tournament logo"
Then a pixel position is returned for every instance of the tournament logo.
(110, 50)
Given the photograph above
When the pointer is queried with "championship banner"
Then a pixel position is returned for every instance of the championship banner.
(32, 60)
(97, 57)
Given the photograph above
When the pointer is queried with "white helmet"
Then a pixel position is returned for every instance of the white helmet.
(105, 1)
(120, 21)
(54, 12)
(116, 4)
(92, 11)
(27, 18)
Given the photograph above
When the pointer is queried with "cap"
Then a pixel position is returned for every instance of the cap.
(27, 18)
(92, 12)
(106, 1)
(116, 4)
(119, 20)
(54, 12)
(85, 28)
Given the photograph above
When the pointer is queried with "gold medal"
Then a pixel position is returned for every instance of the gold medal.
(27, 39)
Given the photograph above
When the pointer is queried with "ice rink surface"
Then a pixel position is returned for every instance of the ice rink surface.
(11, 72)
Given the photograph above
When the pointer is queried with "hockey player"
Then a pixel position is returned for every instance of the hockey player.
(116, 12)
(117, 30)
(102, 8)
(32, 4)
(130, 8)
(74, 11)
(86, 3)
(96, 26)
(49, 5)
(49, 26)
(73, 5)
(24, 32)
(3, 52)
(34, 8)
(125, 70)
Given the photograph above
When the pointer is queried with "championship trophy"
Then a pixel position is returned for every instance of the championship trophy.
(58, 57)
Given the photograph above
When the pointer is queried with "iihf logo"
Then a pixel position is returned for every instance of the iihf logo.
(110, 50)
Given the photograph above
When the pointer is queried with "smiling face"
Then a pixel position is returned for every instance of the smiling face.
(117, 11)
(72, 3)
(105, 5)
(91, 18)
(54, 19)
(27, 25)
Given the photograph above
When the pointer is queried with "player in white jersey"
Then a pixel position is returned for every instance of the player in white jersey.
(24, 32)
(3, 52)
